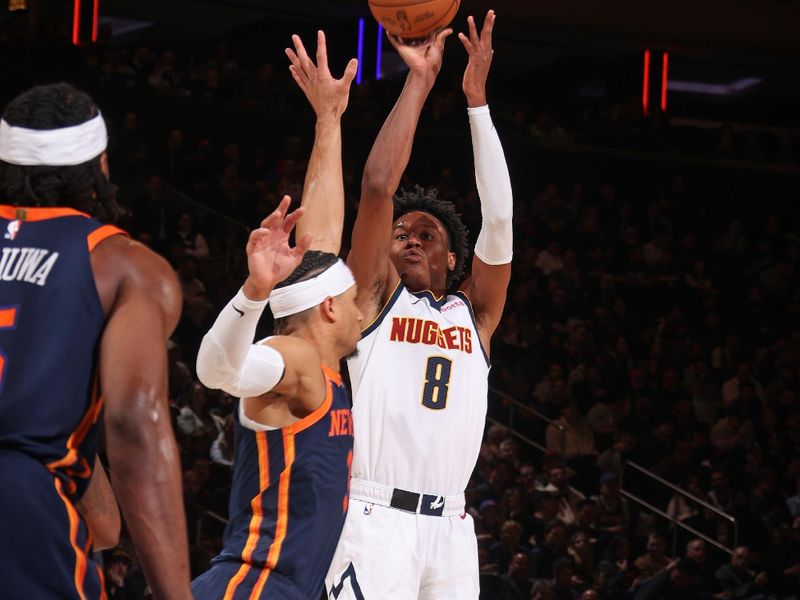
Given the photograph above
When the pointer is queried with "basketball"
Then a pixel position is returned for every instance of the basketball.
(414, 18)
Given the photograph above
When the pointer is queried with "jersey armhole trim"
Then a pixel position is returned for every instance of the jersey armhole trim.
(331, 378)
(384, 311)
(463, 296)
(102, 233)
(320, 412)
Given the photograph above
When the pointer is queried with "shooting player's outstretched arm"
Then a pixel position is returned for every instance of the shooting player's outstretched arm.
(369, 255)
(323, 191)
(228, 359)
(491, 266)
(142, 453)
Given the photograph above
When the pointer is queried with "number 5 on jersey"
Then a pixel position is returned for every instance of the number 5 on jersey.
(8, 320)
(437, 381)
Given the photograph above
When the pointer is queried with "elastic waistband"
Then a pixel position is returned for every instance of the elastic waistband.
(434, 505)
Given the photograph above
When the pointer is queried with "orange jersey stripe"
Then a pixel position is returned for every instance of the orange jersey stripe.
(255, 521)
(283, 514)
(37, 213)
(102, 233)
(80, 556)
(77, 436)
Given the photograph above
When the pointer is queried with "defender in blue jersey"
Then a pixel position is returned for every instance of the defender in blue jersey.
(294, 430)
(294, 433)
(84, 318)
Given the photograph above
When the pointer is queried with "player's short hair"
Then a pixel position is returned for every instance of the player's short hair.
(83, 187)
(314, 262)
(427, 200)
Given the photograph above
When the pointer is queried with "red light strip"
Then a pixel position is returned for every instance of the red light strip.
(76, 23)
(646, 84)
(94, 19)
(664, 80)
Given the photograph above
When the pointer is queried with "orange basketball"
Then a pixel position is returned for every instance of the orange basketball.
(414, 18)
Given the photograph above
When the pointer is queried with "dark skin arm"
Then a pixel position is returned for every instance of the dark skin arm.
(369, 257)
(142, 300)
(488, 284)
(99, 509)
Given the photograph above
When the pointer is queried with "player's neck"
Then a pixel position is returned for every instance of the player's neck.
(326, 347)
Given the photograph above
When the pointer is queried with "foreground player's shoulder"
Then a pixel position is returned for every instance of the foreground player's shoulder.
(127, 269)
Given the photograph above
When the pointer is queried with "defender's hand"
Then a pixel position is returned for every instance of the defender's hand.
(328, 96)
(270, 259)
(479, 48)
(423, 59)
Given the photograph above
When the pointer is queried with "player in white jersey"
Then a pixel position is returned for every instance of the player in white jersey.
(420, 377)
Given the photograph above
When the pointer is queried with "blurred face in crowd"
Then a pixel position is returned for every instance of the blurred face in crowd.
(655, 546)
(527, 476)
(518, 568)
(741, 558)
(558, 477)
(511, 534)
(509, 450)
(556, 537)
(696, 550)
(580, 541)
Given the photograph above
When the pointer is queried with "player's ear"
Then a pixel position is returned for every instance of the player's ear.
(329, 310)
(451, 261)
(104, 165)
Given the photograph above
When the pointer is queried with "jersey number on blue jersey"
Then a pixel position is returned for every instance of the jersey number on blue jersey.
(8, 320)
(437, 380)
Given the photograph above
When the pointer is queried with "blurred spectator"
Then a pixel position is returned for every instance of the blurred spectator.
(739, 581)
(655, 560)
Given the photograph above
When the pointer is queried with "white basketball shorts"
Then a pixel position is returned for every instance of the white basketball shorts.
(387, 553)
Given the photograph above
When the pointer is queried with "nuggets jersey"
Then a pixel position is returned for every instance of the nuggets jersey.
(419, 394)
(51, 320)
(288, 503)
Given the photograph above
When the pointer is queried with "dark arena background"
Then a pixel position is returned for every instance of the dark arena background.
(643, 416)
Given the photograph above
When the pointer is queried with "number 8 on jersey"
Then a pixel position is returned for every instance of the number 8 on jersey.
(437, 380)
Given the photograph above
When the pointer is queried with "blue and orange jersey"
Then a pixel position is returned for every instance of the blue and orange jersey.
(288, 501)
(50, 325)
(51, 320)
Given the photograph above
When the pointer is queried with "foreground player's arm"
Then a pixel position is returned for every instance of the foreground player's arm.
(369, 256)
(99, 509)
(323, 191)
(228, 359)
(491, 266)
(142, 452)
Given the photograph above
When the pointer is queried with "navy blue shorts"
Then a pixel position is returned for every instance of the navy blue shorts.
(44, 551)
(213, 584)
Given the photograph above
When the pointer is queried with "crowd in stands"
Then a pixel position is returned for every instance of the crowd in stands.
(653, 318)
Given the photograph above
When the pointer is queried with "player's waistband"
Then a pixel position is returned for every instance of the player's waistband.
(414, 502)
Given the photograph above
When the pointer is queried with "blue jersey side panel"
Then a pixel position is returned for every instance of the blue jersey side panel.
(288, 503)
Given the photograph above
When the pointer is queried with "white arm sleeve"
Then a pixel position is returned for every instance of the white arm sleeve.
(228, 360)
(495, 240)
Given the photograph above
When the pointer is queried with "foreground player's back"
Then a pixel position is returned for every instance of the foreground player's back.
(51, 320)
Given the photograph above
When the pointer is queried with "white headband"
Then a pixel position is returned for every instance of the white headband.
(302, 295)
(61, 147)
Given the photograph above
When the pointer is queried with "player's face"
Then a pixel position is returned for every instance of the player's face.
(350, 323)
(420, 252)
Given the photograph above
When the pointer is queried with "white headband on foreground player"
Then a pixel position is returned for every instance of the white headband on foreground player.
(300, 296)
(62, 147)
(229, 361)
